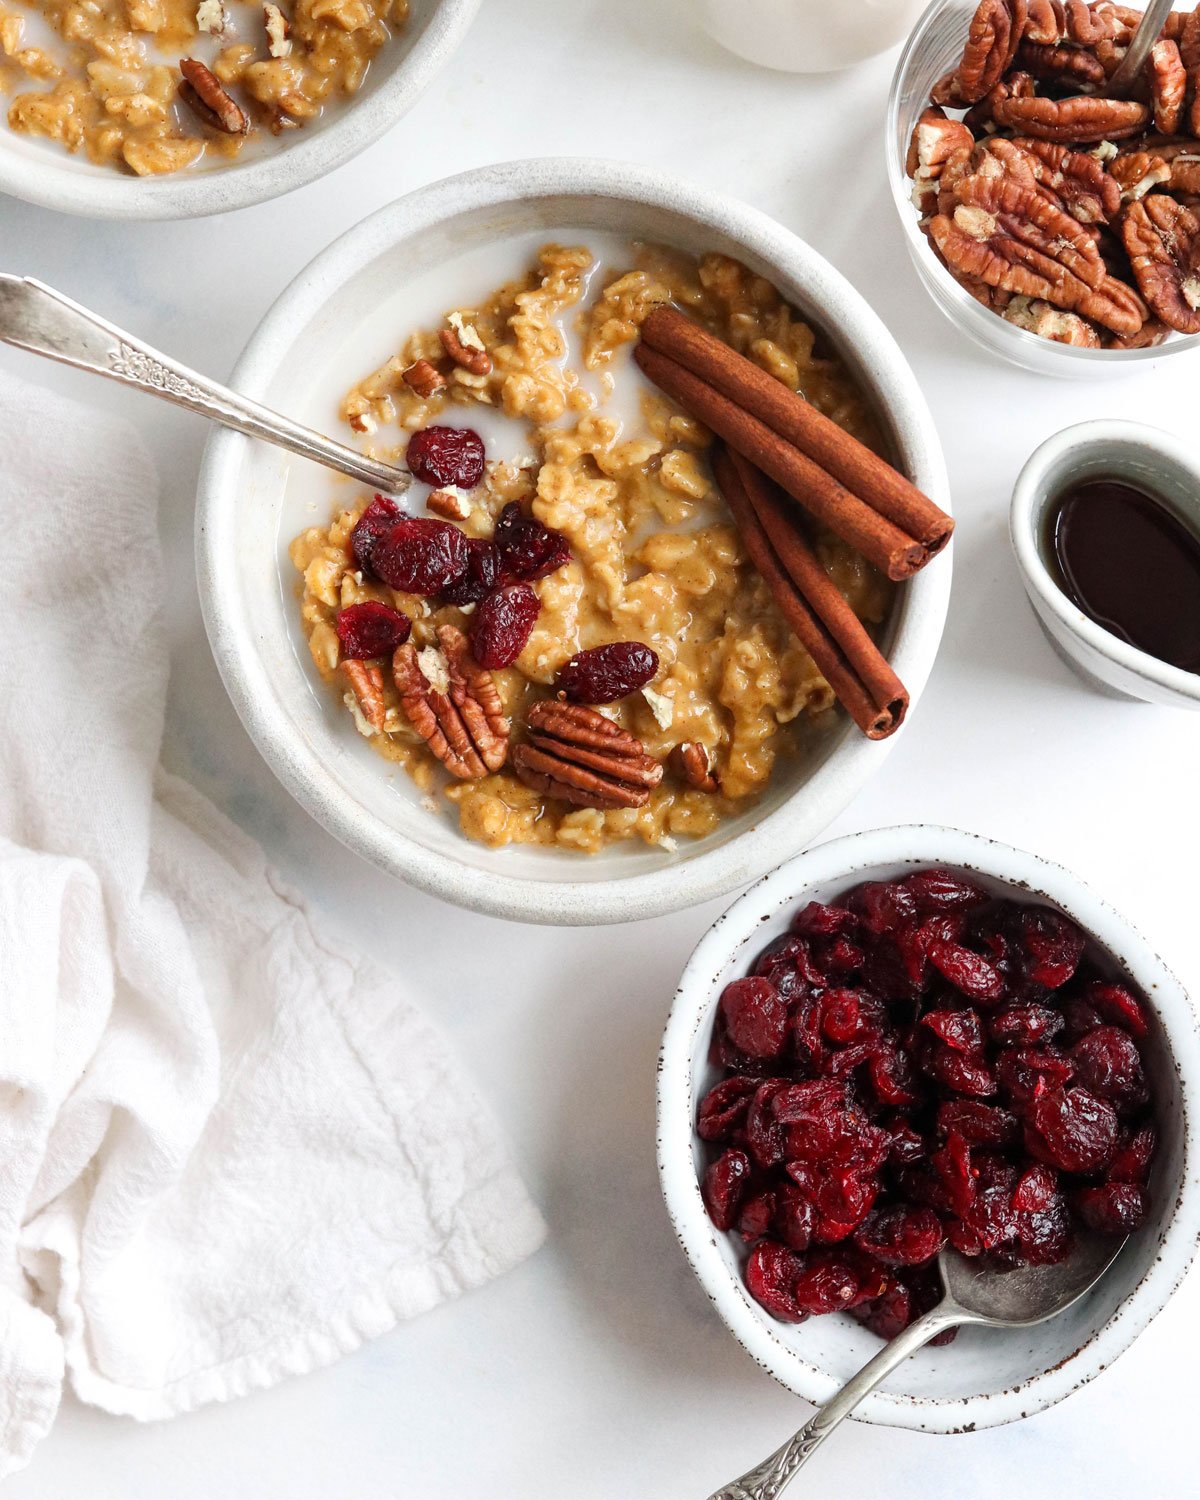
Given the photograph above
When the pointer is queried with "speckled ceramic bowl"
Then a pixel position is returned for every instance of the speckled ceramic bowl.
(986, 1377)
(246, 583)
(40, 172)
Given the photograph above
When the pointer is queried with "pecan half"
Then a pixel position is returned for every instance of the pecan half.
(1152, 333)
(1072, 121)
(935, 140)
(692, 763)
(205, 95)
(423, 378)
(474, 361)
(1168, 81)
(992, 41)
(366, 684)
(577, 755)
(1089, 25)
(1051, 323)
(1080, 184)
(453, 704)
(1163, 241)
(1075, 64)
(1046, 24)
(1137, 172)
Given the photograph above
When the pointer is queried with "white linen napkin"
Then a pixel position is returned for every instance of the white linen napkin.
(230, 1149)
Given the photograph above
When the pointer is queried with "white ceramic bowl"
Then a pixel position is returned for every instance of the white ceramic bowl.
(933, 49)
(42, 172)
(1146, 458)
(986, 1377)
(246, 585)
(809, 36)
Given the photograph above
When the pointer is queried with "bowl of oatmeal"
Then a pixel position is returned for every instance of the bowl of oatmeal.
(162, 109)
(547, 683)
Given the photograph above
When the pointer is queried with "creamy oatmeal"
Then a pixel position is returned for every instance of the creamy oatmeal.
(152, 86)
(654, 558)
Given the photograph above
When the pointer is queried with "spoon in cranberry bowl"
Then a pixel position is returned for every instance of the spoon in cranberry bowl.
(974, 1293)
(42, 321)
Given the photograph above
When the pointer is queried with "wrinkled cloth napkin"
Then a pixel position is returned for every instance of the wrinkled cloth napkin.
(231, 1149)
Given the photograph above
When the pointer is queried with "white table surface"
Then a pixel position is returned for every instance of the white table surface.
(598, 1369)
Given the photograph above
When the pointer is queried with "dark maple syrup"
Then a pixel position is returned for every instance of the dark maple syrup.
(1132, 566)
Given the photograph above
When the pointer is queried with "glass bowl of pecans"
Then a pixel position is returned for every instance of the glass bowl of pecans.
(1055, 225)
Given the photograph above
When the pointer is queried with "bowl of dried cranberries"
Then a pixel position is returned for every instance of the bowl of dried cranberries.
(916, 1038)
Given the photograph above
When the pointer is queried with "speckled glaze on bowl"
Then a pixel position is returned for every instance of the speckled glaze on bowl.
(1146, 458)
(251, 618)
(986, 1377)
(41, 172)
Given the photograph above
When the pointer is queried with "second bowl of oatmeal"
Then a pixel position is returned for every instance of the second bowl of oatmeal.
(173, 109)
(507, 302)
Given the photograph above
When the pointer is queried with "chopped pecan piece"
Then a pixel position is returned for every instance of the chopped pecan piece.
(992, 41)
(474, 361)
(692, 763)
(207, 98)
(424, 378)
(1071, 121)
(577, 755)
(935, 140)
(1168, 81)
(1163, 241)
(453, 704)
(452, 505)
(366, 685)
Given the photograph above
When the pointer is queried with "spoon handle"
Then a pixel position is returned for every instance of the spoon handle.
(772, 1476)
(35, 317)
(1148, 32)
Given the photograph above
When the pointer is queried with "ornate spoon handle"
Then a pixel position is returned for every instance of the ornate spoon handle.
(35, 317)
(772, 1476)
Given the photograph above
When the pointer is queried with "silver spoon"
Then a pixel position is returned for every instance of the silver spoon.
(973, 1294)
(35, 317)
(1148, 32)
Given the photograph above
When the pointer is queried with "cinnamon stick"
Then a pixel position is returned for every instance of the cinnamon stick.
(880, 541)
(850, 462)
(810, 601)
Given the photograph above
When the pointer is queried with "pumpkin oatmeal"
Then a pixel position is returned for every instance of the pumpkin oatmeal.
(572, 646)
(152, 86)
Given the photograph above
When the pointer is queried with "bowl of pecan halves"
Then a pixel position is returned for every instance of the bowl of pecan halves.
(1053, 219)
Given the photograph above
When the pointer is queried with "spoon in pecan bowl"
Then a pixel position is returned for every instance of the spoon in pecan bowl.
(35, 317)
(974, 1293)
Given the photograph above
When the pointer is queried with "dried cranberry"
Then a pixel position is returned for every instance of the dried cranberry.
(883, 906)
(1054, 944)
(894, 1078)
(900, 1236)
(421, 556)
(1108, 1063)
(503, 624)
(724, 1108)
(757, 1215)
(952, 1166)
(371, 629)
(446, 455)
(756, 1017)
(1113, 1207)
(968, 971)
(379, 517)
(605, 673)
(771, 1274)
(890, 1314)
(1116, 1004)
(1026, 1073)
(1024, 1025)
(483, 575)
(1036, 1190)
(795, 1217)
(1134, 1153)
(1072, 1130)
(961, 1030)
(816, 920)
(724, 1184)
(1045, 1238)
(942, 890)
(979, 1124)
(529, 550)
(825, 1287)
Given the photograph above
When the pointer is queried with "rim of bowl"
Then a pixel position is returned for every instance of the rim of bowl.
(921, 844)
(103, 193)
(1026, 493)
(708, 872)
(978, 321)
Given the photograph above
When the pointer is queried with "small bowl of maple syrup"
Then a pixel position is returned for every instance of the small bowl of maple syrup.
(1105, 524)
